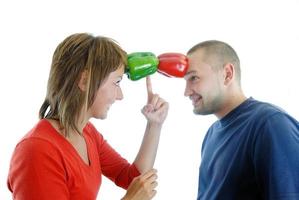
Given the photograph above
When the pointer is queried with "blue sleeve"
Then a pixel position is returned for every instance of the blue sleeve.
(276, 158)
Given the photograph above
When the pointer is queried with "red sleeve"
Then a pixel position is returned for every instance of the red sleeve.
(113, 165)
(36, 172)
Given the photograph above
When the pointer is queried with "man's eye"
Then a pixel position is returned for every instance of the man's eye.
(194, 78)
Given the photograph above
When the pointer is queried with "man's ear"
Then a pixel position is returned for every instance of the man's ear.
(83, 81)
(229, 73)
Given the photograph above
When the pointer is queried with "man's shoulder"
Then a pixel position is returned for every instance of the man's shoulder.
(262, 110)
(264, 115)
(251, 113)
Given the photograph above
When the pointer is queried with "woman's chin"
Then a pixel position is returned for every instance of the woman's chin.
(101, 116)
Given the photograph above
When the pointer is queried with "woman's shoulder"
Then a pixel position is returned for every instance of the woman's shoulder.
(91, 131)
(42, 136)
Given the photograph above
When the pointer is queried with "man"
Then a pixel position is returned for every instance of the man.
(252, 151)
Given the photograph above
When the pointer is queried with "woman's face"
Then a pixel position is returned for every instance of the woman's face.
(107, 94)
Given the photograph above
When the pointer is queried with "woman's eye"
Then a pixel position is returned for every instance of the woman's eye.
(117, 83)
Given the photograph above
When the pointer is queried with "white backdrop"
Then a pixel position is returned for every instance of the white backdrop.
(264, 33)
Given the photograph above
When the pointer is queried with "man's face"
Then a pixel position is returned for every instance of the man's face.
(203, 85)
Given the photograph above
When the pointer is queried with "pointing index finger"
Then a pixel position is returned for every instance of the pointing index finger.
(149, 86)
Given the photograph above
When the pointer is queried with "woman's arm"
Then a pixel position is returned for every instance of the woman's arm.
(155, 112)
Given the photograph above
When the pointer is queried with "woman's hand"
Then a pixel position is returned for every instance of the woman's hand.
(142, 187)
(157, 108)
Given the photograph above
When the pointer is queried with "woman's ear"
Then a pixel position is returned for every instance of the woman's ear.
(83, 81)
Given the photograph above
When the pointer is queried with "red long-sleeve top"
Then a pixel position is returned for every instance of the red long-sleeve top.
(45, 166)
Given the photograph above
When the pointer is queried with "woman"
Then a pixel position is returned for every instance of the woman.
(64, 156)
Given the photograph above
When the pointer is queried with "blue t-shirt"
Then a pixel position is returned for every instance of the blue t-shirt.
(251, 153)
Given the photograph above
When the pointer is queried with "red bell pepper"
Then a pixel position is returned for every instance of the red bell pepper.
(173, 64)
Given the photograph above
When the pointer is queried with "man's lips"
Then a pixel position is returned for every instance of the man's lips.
(195, 99)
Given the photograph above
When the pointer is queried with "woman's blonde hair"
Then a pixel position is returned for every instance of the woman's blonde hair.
(78, 53)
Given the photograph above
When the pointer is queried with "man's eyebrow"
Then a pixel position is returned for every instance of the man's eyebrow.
(190, 72)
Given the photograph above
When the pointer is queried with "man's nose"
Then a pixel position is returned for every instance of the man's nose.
(187, 91)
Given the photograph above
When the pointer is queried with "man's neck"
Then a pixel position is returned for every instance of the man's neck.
(230, 103)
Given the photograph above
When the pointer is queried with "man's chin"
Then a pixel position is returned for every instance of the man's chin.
(198, 111)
